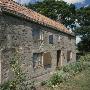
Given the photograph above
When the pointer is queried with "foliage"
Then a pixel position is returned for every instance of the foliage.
(84, 45)
(80, 82)
(84, 33)
(83, 16)
(19, 80)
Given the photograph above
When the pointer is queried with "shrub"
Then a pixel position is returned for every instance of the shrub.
(66, 68)
(57, 78)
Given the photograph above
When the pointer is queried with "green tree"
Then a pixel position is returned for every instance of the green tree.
(83, 15)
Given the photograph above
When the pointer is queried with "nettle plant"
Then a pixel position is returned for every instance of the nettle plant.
(19, 80)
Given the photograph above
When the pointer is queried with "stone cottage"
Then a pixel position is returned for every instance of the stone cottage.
(43, 44)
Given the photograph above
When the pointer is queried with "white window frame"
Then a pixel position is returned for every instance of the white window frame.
(41, 36)
(59, 38)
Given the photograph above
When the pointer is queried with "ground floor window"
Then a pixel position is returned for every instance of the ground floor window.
(37, 60)
(42, 59)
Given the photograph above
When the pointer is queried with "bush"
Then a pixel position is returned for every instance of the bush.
(66, 68)
(57, 78)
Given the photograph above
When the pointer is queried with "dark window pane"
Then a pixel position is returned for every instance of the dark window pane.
(50, 39)
(35, 34)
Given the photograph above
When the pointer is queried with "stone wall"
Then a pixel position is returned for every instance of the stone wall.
(18, 33)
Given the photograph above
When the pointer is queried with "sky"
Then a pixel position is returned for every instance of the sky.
(78, 3)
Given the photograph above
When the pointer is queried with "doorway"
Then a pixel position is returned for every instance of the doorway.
(58, 58)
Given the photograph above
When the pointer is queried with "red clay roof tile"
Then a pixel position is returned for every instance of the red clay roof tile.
(12, 7)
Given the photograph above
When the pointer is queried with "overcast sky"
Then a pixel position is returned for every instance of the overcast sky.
(68, 1)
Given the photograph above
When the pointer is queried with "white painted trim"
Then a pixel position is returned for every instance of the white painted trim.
(42, 59)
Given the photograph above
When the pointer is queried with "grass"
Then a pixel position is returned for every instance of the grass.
(80, 82)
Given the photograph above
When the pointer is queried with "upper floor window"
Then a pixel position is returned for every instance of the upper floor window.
(35, 34)
(50, 39)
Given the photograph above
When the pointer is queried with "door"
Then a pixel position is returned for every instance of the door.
(58, 58)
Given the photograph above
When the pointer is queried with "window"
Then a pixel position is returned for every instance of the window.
(35, 34)
(42, 59)
(50, 39)
(37, 60)
(69, 56)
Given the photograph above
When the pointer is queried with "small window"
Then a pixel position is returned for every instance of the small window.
(35, 34)
(50, 39)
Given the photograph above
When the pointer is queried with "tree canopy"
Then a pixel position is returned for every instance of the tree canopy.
(83, 15)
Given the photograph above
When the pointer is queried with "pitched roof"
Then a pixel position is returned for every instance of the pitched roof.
(20, 10)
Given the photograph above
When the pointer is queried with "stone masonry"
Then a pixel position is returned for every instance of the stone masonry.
(32, 39)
